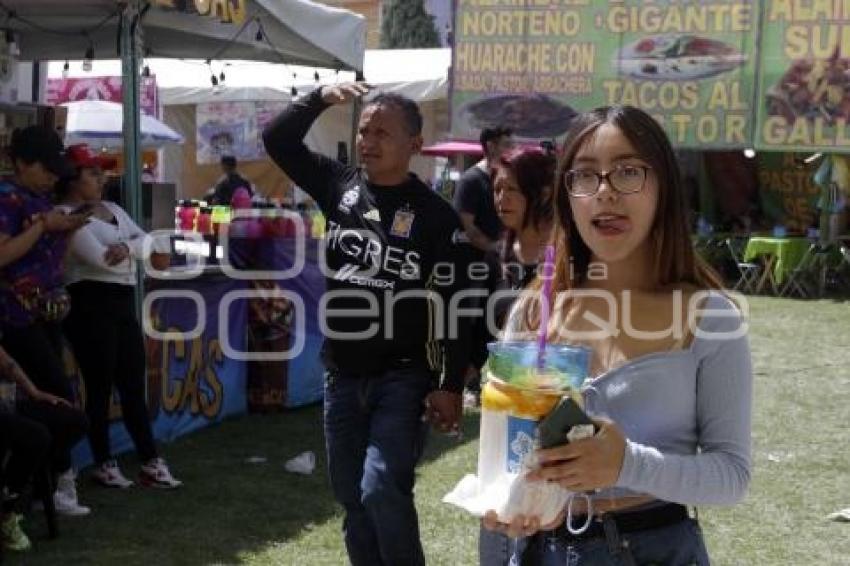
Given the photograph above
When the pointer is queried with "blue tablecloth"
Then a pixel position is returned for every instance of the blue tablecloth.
(191, 382)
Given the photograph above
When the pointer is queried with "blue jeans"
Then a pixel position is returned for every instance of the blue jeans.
(496, 549)
(374, 435)
(680, 544)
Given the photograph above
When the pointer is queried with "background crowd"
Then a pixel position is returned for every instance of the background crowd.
(68, 268)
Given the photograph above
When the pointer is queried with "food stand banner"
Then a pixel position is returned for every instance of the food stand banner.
(533, 65)
(804, 82)
(191, 383)
(102, 88)
(226, 128)
(233, 128)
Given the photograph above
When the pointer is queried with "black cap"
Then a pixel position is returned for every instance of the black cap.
(43, 145)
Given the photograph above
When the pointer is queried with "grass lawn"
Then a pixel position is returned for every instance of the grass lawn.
(233, 512)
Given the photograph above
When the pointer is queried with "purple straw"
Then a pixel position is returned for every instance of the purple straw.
(545, 307)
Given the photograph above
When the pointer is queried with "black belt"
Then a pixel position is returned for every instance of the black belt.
(627, 521)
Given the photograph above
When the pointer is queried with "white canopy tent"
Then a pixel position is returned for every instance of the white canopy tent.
(290, 31)
(297, 31)
(421, 74)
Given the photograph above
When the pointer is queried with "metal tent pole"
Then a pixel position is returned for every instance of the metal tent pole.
(132, 185)
(130, 92)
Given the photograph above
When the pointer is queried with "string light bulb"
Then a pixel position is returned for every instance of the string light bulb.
(66, 69)
(88, 58)
(316, 76)
(12, 42)
(260, 34)
(221, 77)
(146, 70)
(294, 92)
(214, 80)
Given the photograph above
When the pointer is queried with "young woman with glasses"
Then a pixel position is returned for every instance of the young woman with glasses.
(670, 385)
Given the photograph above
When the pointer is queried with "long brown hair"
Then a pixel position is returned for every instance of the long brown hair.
(675, 263)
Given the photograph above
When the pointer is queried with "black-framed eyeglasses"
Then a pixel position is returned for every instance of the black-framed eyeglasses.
(625, 179)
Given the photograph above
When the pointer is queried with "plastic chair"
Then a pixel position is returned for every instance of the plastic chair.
(835, 270)
(748, 272)
(43, 485)
(800, 278)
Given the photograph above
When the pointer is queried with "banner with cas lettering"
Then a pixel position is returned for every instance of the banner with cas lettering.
(533, 65)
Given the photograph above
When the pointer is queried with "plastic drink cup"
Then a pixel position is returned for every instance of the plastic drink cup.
(517, 397)
(509, 418)
(565, 366)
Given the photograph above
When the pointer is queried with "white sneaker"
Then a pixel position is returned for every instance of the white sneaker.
(65, 497)
(155, 473)
(109, 474)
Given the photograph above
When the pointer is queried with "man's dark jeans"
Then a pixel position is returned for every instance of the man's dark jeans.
(374, 436)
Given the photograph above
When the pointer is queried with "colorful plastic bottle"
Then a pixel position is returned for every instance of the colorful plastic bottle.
(254, 224)
(306, 221)
(204, 221)
(241, 198)
(177, 209)
(317, 224)
(188, 214)
(220, 217)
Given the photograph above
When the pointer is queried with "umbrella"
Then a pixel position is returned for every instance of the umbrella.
(100, 124)
(449, 148)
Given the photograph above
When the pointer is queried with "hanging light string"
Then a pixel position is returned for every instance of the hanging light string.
(12, 15)
(210, 64)
(260, 36)
(230, 42)
(260, 31)
(213, 78)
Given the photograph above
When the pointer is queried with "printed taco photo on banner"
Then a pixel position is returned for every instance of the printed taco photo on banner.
(677, 57)
(813, 89)
(527, 115)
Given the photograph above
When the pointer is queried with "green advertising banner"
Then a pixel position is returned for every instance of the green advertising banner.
(788, 191)
(533, 64)
(804, 80)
